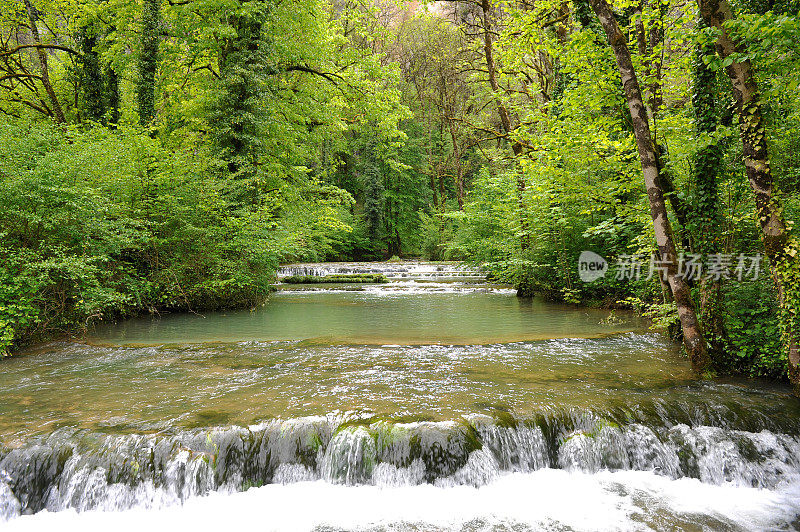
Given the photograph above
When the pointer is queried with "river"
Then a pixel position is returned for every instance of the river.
(436, 401)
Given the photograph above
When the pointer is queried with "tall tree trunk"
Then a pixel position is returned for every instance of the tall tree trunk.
(505, 118)
(442, 193)
(33, 17)
(111, 90)
(707, 220)
(112, 95)
(491, 67)
(432, 184)
(693, 339)
(774, 231)
(439, 173)
(91, 77)
(432, 169)
(148, 61)
(459, 169)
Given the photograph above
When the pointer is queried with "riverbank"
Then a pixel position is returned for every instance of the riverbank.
(751, 354)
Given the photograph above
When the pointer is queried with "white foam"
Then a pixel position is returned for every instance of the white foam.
(9, 505)
(548, 498)
(400, 288)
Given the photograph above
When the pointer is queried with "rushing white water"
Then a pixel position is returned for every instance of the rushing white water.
(402, 287)
(570, 470)
(404, 277)
(394, 271)
(547, 499)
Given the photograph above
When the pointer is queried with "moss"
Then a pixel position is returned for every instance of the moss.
(314, 442)
(472, 439)
(595, 431)
(251, 483)
(356, 422)
(350, 278)
(205, 418)
(504, 419)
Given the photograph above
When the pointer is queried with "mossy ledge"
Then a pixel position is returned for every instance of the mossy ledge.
(365, 278)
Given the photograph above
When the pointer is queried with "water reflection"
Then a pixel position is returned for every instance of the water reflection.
(377, 318)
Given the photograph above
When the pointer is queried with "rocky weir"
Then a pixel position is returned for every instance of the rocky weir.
(419, 272)
(86, 470)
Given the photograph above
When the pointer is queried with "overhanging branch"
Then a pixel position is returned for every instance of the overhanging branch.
(39, 46)
(330, 76)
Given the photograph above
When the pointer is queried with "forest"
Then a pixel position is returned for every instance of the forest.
(165, 156)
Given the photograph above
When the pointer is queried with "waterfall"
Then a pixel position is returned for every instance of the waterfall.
(85, 470)
(429, 272)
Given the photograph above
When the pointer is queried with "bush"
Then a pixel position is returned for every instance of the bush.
(98, 224)
(752, 324)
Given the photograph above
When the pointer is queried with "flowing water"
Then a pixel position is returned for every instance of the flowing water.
(436, 401)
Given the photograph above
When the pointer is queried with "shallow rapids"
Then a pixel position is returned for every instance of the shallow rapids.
(588, 422)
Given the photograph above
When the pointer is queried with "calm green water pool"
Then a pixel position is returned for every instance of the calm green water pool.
(378, 315)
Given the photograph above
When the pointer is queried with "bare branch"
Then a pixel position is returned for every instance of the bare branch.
(327, 75)
(39, 46)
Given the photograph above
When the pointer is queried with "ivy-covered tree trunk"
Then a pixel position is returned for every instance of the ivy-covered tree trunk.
(693, 339)
(373, 204)
(459, 177)
(112, 94)
(779, 247)
(706, 213)
(33, 18)
(93, 105)
(392, 222)
(148, 61)
(238, 111)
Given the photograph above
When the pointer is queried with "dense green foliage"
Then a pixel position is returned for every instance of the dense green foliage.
(583, 181)
(227, 180)
(207, 141)
(98, 224)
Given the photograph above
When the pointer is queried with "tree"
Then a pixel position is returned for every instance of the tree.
(148, 61)
(706, 216)
(487, 28)
(41, 52)
(373, 202)
(693, 339)
(238, 110)
(780, 247)
(92, 83)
